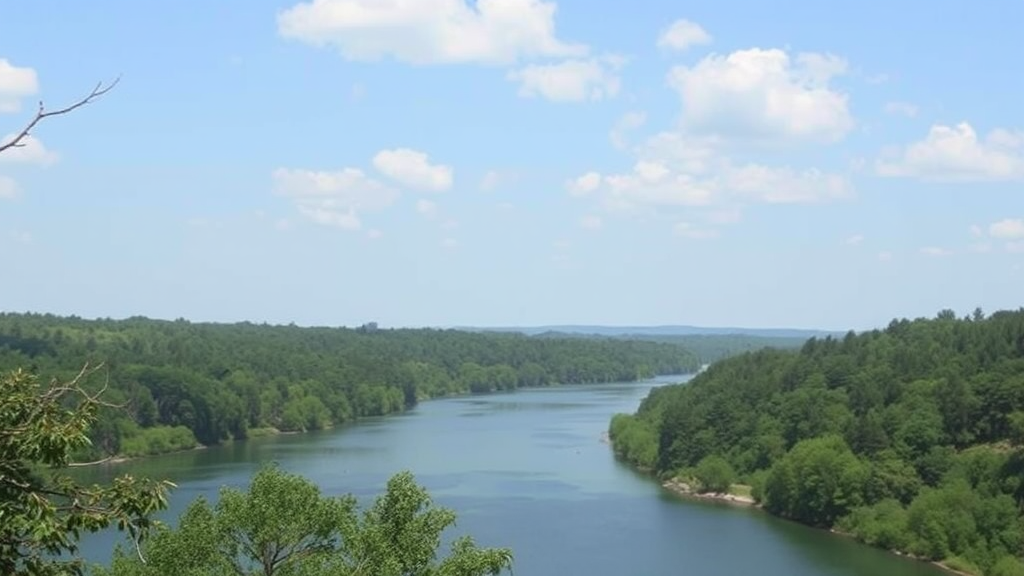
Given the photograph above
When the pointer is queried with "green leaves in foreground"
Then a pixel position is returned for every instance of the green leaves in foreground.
(284, 526)
(42, 510)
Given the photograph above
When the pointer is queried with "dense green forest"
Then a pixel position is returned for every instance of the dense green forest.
(707, 348)
(909, 438)
(185, 383)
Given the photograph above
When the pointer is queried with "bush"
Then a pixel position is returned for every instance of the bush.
(714, 474)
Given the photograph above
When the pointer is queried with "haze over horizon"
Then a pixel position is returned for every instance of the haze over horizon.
(514, 162)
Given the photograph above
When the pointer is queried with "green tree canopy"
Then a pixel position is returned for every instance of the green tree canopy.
(284, 526)
(43, 511)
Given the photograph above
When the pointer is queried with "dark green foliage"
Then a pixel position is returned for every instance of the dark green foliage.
(909, 438)
(218, 381)
(817, 482)
(714, 474)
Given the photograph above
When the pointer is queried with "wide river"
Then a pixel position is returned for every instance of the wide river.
(528, 470)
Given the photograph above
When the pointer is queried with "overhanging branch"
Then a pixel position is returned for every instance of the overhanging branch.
(42, 113)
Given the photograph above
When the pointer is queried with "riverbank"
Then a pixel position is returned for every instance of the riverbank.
(270, 431)
(682, 488)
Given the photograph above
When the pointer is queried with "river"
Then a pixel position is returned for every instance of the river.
(528, 470)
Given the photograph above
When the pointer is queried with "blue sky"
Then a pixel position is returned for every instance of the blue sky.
(515, 162)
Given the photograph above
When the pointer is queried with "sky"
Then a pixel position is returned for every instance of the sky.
(803, 164)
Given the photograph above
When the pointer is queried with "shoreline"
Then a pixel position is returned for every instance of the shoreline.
(683, 489)
(680, 488)
(270, 431)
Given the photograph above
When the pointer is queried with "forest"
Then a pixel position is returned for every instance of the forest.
(176, 384)
(707, 348)
(909, 438)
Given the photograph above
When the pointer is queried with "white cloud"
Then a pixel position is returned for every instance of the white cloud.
(430, 31)
(1008, 229)
(650, 185)
(683, 34)
(413, 169)
(854, 240)
(688, 230)
(901, 109)
(15, 83)
(956, 154)
(449, 243)
(29, 151)
(936, 251)
(426, 208)
(8, 188)
(676, 173)
(627, 123)
(570, 81)
(976, 231)
(333, 198)
(885, 256)
(591, 222)
(1015, 247)
(785, 185)
(683, 152)
(583, 185)
(374, 234)
(763, 96)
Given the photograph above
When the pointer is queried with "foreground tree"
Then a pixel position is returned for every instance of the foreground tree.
(284, 526)
(43, 510)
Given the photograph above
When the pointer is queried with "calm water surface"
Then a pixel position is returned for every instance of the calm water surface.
(528, 470)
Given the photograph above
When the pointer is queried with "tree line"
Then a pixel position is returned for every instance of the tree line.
(175, 384)
(909, 437)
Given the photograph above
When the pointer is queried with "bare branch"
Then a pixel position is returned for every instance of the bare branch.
(42, 114)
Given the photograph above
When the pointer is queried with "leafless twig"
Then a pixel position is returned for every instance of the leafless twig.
(42, 114)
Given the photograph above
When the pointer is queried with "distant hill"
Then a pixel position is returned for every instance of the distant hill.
(619, 331)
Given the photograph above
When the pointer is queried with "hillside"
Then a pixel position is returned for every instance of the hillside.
(183, 383)
(669, 330)
(707, 347)
(908, 437)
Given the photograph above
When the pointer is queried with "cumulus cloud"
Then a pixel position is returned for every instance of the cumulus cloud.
(333, 198)
(570, 81)
(653, 185)
(957, 154)
(1007, 229)
(785, 185)
(583, 185)
(15, 83)
(854, 240)
(764, 96)
(627, 123)
(683, 34)
(413, 169)
(430, 31)
(29, 151)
